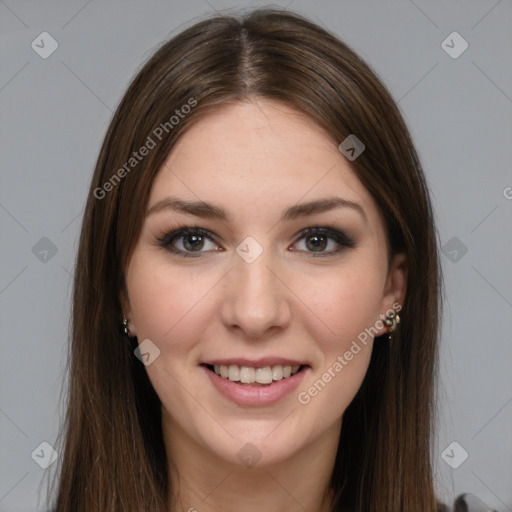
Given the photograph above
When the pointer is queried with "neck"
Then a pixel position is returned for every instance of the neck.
(201, 481)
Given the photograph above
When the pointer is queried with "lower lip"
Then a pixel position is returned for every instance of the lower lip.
(245, 394)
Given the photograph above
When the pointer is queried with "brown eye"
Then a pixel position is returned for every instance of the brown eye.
(317, 242)
(187, 241)
(324, 241)
(193, 242)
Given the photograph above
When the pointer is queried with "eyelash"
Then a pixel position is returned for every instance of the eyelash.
(342, 239)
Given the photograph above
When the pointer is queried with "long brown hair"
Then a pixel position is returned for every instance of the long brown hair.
(113, 456)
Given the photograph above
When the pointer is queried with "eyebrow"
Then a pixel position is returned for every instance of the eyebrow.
(211, 211)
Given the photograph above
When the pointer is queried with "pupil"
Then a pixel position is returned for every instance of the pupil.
(196, 242)
(318, 242)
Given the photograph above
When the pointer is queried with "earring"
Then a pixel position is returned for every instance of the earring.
(125, 327)
(392, 321)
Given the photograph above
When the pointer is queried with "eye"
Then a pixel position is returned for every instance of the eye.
(188, 240)
(318, 239)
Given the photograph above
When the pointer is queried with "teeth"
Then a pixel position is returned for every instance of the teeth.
(249, 375)
(277, 372)
(234, 373)
(264, 375)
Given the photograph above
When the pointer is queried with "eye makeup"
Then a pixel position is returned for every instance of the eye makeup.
(193, 238)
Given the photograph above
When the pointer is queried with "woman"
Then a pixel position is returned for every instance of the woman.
(256, 296)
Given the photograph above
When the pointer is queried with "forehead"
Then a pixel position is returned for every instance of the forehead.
(258, 156)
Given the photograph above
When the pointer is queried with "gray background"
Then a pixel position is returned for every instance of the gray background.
(54, 113)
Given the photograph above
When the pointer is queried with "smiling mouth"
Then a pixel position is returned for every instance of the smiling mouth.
(262, 376)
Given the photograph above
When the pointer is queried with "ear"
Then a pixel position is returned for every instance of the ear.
(127, 311)
(395, 287)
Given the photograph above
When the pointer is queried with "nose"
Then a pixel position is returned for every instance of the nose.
(255, 299)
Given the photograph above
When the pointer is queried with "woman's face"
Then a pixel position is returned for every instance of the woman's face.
(284, 265)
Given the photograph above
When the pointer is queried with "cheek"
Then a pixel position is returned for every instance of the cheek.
(345, 307)
(167, 302)
(345, 302)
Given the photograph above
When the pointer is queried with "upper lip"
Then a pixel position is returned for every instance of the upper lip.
(255, 363)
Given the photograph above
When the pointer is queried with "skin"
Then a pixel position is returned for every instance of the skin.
(255, 159)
